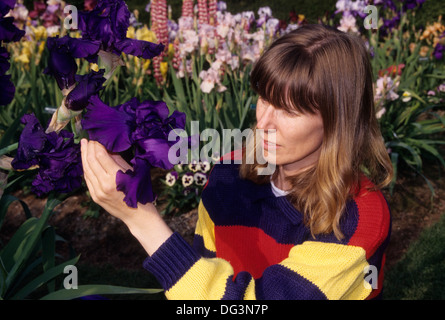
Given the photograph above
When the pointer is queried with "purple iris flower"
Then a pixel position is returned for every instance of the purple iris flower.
(136, 184)
(7, 89)
(87, 86)
(144, 127)
(438, 51)
(111, 126)
(8, 33)
(57, 156)
(31, 143)
(63, 51)
(5, 6)
(108, 22)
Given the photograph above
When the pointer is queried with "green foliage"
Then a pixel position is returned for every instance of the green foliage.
(419, 274)
(413, 122)
(29, 262)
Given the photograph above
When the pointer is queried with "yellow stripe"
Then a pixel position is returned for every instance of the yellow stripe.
(337, 270)
(205, 228)
(206, 279)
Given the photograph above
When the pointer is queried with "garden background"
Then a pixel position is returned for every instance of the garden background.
(48, 222)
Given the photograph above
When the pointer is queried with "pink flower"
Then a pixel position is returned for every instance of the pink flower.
(187, 8)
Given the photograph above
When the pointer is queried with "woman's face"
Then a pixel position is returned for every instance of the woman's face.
(298, 136)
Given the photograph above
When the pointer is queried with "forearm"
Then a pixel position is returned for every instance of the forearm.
(148, 227)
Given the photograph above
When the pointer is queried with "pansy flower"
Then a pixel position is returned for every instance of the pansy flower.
(187, 179)
(56, 156)
(171, 178)
(200, 178)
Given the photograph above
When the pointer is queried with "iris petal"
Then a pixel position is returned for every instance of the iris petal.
(139, 48)
(136, 184)
(88, 85)
(110, 126)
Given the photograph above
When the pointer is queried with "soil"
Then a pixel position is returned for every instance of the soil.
(106, 240)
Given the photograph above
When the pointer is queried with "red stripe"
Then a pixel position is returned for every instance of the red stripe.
(373, 220)
(249, 249)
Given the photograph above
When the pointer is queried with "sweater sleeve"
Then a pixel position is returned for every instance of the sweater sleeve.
(312, 270)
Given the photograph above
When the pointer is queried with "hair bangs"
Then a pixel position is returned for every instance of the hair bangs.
(282, 78)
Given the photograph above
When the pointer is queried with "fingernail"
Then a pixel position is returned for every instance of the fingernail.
(83, 142)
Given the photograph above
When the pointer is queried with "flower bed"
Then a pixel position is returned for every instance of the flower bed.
(128, 84)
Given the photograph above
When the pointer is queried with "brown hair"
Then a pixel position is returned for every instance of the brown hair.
(317, 68)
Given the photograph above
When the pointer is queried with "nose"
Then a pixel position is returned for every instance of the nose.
(266, 117)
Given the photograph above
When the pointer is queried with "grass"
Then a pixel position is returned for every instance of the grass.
(420, 275)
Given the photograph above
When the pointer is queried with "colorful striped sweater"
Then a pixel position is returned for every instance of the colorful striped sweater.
(251, 244)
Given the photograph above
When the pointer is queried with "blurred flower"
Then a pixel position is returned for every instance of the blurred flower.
(406, 96)
(385, 89)
(380, 113)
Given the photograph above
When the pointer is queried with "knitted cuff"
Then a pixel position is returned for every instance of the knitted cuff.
(171, 261)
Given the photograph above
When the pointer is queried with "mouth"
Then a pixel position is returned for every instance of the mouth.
(270, 146)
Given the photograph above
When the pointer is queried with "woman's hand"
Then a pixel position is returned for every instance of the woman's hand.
(100, 169)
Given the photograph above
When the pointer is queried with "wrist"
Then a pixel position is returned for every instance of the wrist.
(148, 227)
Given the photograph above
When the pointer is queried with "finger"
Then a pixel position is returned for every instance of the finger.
(105, 160)
(88, 174)
(121, 162)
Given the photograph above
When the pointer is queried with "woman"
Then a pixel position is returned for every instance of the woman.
(318, 226)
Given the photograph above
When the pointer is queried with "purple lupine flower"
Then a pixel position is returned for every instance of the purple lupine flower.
(62, 54)
(56, 155)
(142, 126)
(87, 86)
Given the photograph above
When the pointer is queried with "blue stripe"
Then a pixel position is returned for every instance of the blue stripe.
(198, 245)
(281, 283)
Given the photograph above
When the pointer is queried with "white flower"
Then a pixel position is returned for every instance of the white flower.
(406, 96)
(380, 113)
(194, 166)
(200, 178)
(385, 89)
(348, 23)
(442, 87)
(187, 180)
(204, 166)
(170, 179)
